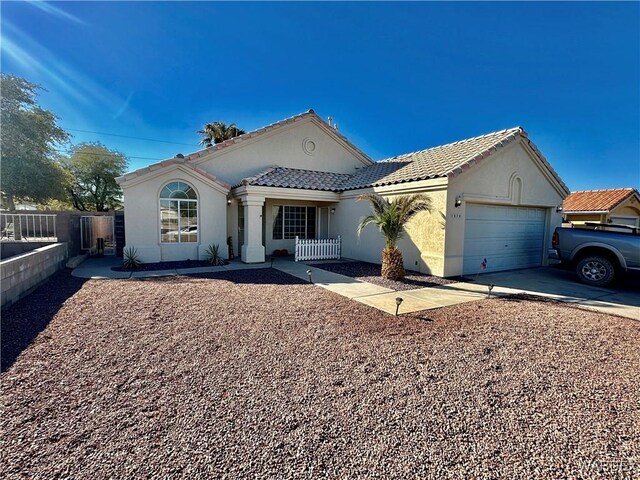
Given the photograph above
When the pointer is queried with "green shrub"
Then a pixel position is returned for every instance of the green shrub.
(212, 255)
(131, 260)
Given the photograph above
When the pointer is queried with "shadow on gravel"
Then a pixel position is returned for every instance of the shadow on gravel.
(23, 321)
(256, 276)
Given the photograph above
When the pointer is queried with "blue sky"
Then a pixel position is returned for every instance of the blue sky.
(397, 77)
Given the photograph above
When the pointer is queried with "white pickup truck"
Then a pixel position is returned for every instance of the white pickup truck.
(598, 251)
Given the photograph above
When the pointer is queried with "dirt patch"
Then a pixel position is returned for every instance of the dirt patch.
(255, 374)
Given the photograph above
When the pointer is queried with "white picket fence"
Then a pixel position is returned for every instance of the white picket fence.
(325, 249)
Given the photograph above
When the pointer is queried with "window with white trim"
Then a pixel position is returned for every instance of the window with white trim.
(178, 213)
(290, 222)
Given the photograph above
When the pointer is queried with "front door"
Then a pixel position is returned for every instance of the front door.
(323, 222)
(240, 228)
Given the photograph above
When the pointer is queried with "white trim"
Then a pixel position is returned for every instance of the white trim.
(157, 172)
(286, 193)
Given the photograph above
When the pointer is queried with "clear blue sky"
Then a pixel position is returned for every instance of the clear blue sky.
(396, 77)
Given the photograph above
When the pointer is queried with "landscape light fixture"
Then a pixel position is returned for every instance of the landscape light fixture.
(309, 273)
(458, 201)
(490, 287)
(399, 300)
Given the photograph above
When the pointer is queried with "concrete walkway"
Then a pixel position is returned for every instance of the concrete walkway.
(545, 282)
(378, 297)
(100, 269)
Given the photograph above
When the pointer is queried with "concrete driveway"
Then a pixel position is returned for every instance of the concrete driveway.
(560, 284)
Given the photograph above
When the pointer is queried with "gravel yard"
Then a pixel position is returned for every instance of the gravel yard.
(254, 374)
(370, 272)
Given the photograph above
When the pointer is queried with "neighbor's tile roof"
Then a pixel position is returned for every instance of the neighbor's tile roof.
(596, 200)
(297, 178)
(433, 162)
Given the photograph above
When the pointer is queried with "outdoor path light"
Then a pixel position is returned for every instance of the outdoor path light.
(309, 273)
(398, 302)
(490, 287)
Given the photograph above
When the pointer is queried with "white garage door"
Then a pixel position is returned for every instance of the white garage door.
(508, 237)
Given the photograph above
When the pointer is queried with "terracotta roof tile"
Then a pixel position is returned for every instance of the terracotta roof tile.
(442, 161)
(298, 178)
(596, 200)
(446, 160)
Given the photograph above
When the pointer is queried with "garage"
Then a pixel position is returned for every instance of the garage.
(507, 237)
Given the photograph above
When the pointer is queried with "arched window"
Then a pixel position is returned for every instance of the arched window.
(178, 213)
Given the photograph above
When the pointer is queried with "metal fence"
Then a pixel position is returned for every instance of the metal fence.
(28, 227)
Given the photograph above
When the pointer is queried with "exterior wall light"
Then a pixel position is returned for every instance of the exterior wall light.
(458, 201)
(558, 208)
(228, 201)
(399, 300)
(333, 210)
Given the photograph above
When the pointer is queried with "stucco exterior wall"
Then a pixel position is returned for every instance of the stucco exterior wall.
(509, 177)
(287, 146)
(423, 246)
(142, 218)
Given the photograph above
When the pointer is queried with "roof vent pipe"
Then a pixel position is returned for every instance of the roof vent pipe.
(330, 120)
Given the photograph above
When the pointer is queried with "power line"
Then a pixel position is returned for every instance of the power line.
(69, 152)
(131, 137)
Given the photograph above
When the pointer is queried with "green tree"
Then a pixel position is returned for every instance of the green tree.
(217, 132)
(94, 169)
(29, 164)
(391, 218)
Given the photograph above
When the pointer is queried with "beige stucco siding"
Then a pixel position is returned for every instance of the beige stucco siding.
(142, 219)
(285, 147)
(423, 246)
(509, 177)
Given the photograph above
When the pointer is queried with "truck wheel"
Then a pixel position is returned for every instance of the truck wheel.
(595, 270)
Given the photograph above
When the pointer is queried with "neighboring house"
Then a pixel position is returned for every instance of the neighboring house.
(616, 205)
(494, 196)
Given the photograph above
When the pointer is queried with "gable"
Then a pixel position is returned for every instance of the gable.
(307, 144)
(514, 175)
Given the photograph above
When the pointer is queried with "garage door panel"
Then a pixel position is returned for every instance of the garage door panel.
(508, 237)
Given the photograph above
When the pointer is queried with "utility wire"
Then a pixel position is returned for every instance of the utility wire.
(69, 152)
(133, 138)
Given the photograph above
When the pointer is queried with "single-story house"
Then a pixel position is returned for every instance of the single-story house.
(615, 205)
(495, 197)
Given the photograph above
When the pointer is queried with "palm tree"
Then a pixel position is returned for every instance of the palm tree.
(391, 218)
(217, 132)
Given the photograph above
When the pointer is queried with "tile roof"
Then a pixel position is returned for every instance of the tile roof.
(446, 160)
(596, 200)
(166, 163)
(298, 178)
(435, 162)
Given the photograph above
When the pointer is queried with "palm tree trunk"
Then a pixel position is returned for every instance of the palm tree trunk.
(392, 264)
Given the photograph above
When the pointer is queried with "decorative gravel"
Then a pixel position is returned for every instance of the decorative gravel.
(254, 374)
(370, 272)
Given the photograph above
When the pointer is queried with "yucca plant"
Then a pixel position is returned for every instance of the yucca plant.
(212, 255)
(391, 217)
(131, 260)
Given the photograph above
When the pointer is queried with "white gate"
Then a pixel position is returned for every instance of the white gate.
(94, 227)
(325, 249)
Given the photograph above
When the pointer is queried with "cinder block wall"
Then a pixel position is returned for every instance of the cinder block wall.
(23, 273)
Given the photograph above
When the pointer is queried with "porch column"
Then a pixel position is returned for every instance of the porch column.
(252, 250)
